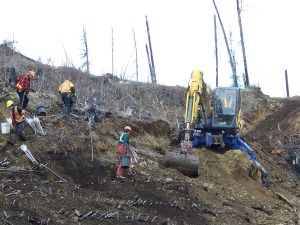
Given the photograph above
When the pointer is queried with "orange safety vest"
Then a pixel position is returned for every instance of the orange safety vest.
(17, 117)
(66, 86)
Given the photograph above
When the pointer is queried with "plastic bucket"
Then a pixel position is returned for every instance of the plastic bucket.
(41, 111)
(125, 161)
(5, 128)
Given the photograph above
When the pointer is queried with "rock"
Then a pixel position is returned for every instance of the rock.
(169, 180)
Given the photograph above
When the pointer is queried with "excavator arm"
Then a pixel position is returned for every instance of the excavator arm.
(198, 105)
(197, 109)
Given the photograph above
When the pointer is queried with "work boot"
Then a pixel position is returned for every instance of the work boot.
(66, 110)
(12, 139)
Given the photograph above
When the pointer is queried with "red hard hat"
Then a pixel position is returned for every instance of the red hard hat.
(127, 128)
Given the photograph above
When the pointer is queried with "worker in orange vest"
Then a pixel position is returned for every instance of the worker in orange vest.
(17, 115)
(23, 88)
(67, 92)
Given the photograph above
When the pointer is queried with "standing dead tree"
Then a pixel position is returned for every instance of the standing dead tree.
(149, 61)
(112, 51)
(287, 84)
(232, 53)
(136, 56)
(216, 51)
(85, 54)
(231, 60)
(152, 71)
(239, 9)
(68, 62)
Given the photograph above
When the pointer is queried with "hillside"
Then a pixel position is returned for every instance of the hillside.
(74, 180)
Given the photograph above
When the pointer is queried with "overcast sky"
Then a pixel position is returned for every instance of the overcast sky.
(182, 37)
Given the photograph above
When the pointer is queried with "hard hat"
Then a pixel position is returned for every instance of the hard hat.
(127, 128)
(9, 103)
(32, 73)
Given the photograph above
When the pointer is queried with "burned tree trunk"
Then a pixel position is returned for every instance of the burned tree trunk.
(12, 77)
(232, 63)
(149, 61)
(112, 51)
(287, 84)
(216, 51)
(242, 43)
(153, 73)
(85, 54)
(136, 56)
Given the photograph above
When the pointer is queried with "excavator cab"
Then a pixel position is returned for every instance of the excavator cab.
(226, 107)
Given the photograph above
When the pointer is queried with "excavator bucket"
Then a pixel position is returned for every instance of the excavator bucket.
(187, 164)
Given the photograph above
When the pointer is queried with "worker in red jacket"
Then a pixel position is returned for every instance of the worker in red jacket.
(17, 115)
(122, 150)
(23, 88)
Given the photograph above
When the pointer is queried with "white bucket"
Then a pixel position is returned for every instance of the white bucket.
(5, 128)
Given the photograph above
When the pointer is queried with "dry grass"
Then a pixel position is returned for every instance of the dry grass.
(108, 92)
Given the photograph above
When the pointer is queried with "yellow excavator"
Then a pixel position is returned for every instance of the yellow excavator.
(209, 119)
